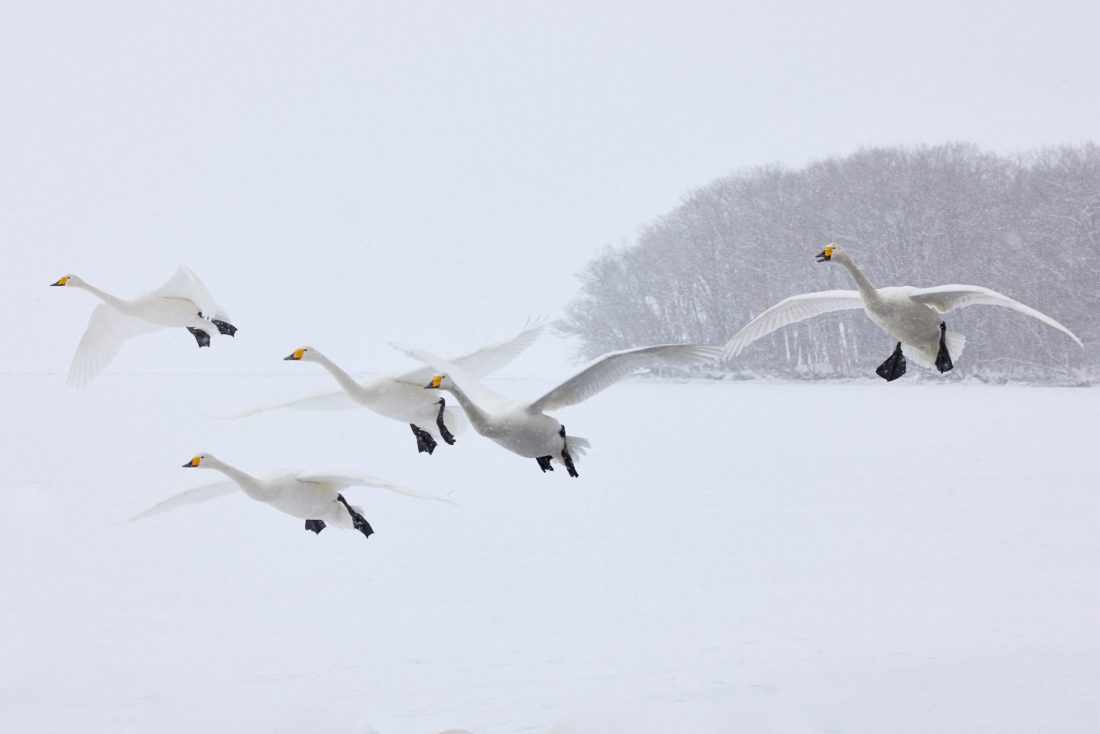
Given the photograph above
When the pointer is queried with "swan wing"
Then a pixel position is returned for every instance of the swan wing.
(107, 330)
(490, 358)
(614, 366)
(343, 481)
(788, 311)
(190, 497)
(482, 396)
(486, 360)
(944, 298)
(333, 400)
(185, 284)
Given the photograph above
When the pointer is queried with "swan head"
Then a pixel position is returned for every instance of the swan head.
(69, 279)
(306, 353)
(436, 383)
(831, 250)
(198, 460)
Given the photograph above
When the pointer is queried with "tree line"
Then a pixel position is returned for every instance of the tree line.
(1027, 226)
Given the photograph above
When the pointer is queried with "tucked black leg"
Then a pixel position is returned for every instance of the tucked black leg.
(544, 463)
(315, 525)
(943, 359)
(566, 458)
(224, 327)
(358, 520)
(446, 434)
(893, 367)
(200, 336)
(424, 440)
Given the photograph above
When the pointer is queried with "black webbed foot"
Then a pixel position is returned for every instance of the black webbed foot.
(357, 520)
(943, 359)
(224, 327)
(544, 463)
(566, 457)
(443, 431)
(315, 525)
(424, 440)
(200, 336)
(893, 367)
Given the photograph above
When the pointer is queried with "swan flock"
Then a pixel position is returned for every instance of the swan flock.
(913, 317)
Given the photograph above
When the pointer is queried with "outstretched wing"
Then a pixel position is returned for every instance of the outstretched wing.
(185, 284)
(487, 360)
(342, 481)
(788, 311)
(944, 298)
(335, 400)
(481, 396)
(612, 367)
(107, 330)
(190, 497)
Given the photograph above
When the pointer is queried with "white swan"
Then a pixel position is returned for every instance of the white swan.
(524, 428)
(401, 397)
(315, 498)
(182, 301)
(911, 315)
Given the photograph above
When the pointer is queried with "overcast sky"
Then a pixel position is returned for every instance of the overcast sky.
(344, 174)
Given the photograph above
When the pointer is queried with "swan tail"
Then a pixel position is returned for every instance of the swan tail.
(578, 446)
(955, 343)
(926, 357)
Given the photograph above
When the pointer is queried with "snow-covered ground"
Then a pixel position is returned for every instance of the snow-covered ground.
(735, 557)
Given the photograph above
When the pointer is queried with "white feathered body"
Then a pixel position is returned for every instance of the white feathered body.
(166, 312)
(307, 500)
(407, 402)
(914, 324)
(526, 432)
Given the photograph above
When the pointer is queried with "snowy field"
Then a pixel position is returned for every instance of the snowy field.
(735, 557)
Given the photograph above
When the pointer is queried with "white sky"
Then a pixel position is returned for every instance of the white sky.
(344, 174)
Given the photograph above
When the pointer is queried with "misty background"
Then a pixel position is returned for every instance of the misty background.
(1028, 226)
(346, 174)
(736, 555)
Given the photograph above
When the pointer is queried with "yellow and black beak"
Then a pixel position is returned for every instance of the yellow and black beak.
(435, 383)
(295, 355)
(192, 464)
(63, 280)
(826, 255)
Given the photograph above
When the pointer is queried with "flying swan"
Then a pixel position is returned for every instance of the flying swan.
(182, 301)
(911, 315)
(401, 397)
(315, 498)
(524, 428)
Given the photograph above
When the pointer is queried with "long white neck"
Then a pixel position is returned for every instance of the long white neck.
(101, 295)
(479, 419)
(252, 486)
(866, 290)
(351, 387)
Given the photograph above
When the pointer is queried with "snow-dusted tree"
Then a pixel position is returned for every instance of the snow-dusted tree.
(1027, 226)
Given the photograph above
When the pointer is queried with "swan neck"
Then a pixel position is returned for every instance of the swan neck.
(346, 381)
(101, 294)
(251, 486)
(865, 287)
(478, 417)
